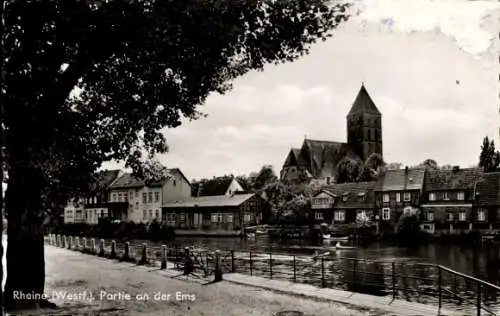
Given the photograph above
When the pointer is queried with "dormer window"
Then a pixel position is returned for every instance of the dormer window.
(407, 196)
(344, 197)
(386, 198)
(432, 196)
(361, 196)
(460, 196)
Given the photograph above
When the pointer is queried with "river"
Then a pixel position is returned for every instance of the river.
(477, 261)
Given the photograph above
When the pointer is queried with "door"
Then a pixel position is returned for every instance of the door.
(196, 220)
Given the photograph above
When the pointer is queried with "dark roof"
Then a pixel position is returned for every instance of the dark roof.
(216, 186)
(294, 158)
(488, 189)
(129, 181)
(210, 201)
(450, 179)
(401, 179)
(363, 103)
(326, 155)
(359, 194)
(106, 177)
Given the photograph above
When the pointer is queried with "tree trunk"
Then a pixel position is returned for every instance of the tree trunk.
(25, 244)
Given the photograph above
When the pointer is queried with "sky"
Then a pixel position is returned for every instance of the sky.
(431, 67)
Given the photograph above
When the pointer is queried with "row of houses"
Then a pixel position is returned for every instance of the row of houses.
(223, 205)
(455, 200)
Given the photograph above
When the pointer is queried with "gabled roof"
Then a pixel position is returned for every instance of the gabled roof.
(326, 154)
(216, 186)
(401, 179)
(451, 179)
(488, 190)
(363, 103)
(210, 201)
(293, 158)
(128, 181)
(359, 194)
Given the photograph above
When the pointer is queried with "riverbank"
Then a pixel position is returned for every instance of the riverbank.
(126, 286)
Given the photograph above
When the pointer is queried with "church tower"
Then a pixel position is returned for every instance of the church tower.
(364, 126)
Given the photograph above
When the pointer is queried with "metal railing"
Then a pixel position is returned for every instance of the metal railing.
(414, 282)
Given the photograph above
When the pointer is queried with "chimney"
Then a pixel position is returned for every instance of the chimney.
(406, 169)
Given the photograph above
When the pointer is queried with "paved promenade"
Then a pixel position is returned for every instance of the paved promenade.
(88, 285)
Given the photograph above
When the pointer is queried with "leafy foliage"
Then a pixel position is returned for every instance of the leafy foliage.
(489, 159)
(430, 164)
(265, 176)
(351, 170)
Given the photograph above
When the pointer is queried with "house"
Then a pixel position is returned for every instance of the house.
(487, 201)
(214, 213)
(318, 159)
(398, 192)
(322, 208)
(353, 201)
(448, 199)
(94, 205)
(219, 186)
(143, 201)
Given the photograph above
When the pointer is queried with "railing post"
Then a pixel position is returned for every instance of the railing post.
(294, 270)
(322, 272)
(126, 254)
(188, 263)
(101, 248)
(233, 267)
(251, 272)
(218, 269)
(65, 239)
(355, 265)
(478, 298)
(70, 242)
(77, 242)
(112, 254)
(85, 245)
(393, 280)
(163, 265)
(93, 250)
(144, 255)
(176, 256)
(59, 241)
(440, 289)
(271, 265)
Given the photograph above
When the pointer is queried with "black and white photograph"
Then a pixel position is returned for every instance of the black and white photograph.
(250, 157)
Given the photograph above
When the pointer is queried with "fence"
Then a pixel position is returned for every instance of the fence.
(415, 282)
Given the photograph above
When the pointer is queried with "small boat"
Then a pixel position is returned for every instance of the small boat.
(338, 246)
(326, 236)
(260, 232)
(251, 235)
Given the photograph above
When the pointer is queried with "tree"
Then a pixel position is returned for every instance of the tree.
(489, 159)
(430, 164)
(139, 66)
(394, 166)
(371, 168)
(265, 176)
(349, 170)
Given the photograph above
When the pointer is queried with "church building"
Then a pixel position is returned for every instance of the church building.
(318, 159)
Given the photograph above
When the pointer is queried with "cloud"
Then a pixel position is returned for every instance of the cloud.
(459, 19)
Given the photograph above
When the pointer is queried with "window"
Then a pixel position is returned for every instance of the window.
(214, 218)
(450, 216)
(150, 197)
(361, 197)
(445, 196)
(407, 211)
(145, 214)
(407, 196)
(386, 198)
(144, 198)
(460, 196)
(171, 217)
(125, 197)
(182, 217)
(157, 197)
(131, 195)
(220, 218)
(136, 194)
(150, 213)
(318, 215)
(120, 198)
(462, 216)
(246, 218)
(293, 169)
(481, 215)
(398, 197)
(339, 216)
(157, 213)
(95, 200)
(386, 213)
(229, 218)
(430, 216)
(432, 196)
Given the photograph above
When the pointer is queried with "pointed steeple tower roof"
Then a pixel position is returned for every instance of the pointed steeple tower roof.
(363, 103)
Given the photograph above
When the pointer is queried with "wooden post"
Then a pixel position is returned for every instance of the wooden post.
(218, 269)
(85, 245)
(70, 242)
(93, 250)
(188, 263)
(101, 248)
(65, 243)
(112, 254)
(126, 254)
(59, 241)
(77, 242)
(144, 256)
(251, 272)
(163, 257)
(233, 267)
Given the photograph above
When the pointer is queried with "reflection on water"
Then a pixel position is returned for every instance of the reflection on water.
(479, 261)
